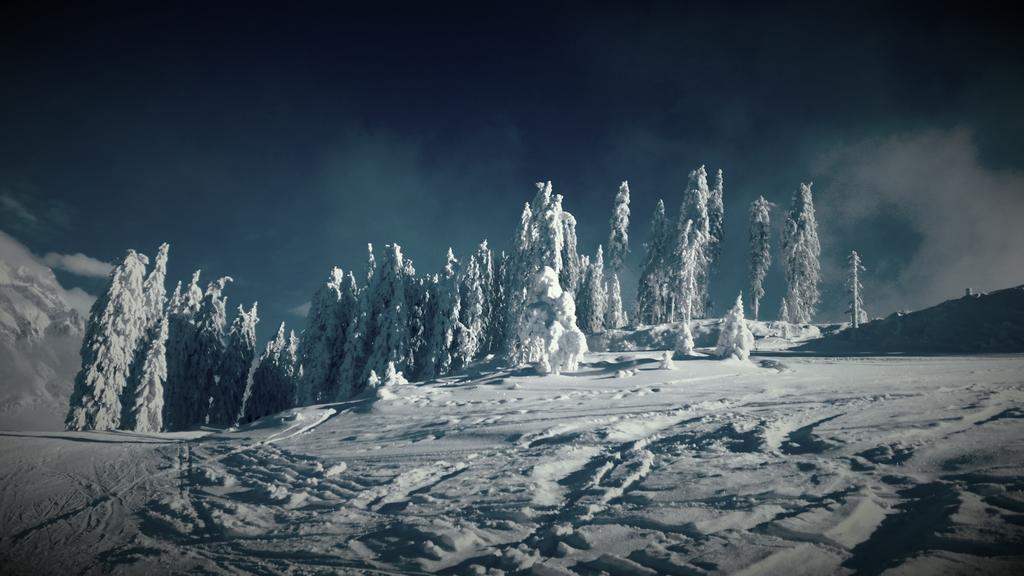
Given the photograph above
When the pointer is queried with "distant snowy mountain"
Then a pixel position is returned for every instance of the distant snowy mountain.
(40, 335)
(979, 323)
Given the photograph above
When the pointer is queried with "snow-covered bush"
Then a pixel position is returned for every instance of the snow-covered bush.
(735, 339)
(547, 329)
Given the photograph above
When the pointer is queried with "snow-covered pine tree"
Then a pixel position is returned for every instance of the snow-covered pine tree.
(652, 288)
(181, 351)
(146, 412)
(497, 325)
(272, 387)
(615, 316)
(716, 232)
(331, 313)
(593, 298)
(801, 250)
(116, 326)
(690, 262)
(618, 238)
(388, 332)
(856, 291)
(550, 232)
(235, 366)
(783, 311)
(760, 250)
(417, 302)
(488, 286)
(445, 321)
(548, 335)
(211, 326)
(572, 273)
(735, 338)
(154, 289)
(695, 209)
(472, 314)
(371, 263)
(515, 275)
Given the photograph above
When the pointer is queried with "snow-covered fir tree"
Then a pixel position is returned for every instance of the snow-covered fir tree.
(548, 335)
(572, 272)
(651, 307)
(593, 298)
(181, 351)
(689, 262)
(117, 324)
(146, 414)
(694, 210)
(485, 262)
(716, 231)
(783, 311)
(615, 316)
(235, 366)
(445, 320)
(331, 312)
(418, 301)
(472, 314)
(272, 387)
(801, 250)
(388, 332)
(154, 288)
(211, 328)
(760, 250)
(855, 291)
(735, 338)
(618, 238)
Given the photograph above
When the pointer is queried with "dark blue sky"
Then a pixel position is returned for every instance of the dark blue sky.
(269, 143)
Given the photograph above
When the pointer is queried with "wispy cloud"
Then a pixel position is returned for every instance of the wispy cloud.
(302, 310)
(79, 264)
(966, 217)
(14, 207)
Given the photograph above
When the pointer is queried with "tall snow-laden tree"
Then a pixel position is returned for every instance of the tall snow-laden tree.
(801, 250)
(695, 209)
(235, 366)
(548, 335)
(652, 289)
(181, 351)
(331, 312)
(148, 396)
(572, 273)
(783, 311)
(498, 326)
(593, 298)
(116, 326)
(515, 276)
(445, 321)
(615, 316)
(853, 285)
(211, 327)
(272, 387)
(716, 231)
(618, 238)
(760, 250)
(472, 313)
(389, 317)
(735, 338)
(154, 289)
(488, 287)
(417, 302)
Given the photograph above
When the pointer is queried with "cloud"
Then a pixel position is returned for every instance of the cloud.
(964, 217)
(302, 310)
(79, 264)
(16, 254)
(13, 206)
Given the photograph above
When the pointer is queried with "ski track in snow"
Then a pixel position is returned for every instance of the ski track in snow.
(828, 465)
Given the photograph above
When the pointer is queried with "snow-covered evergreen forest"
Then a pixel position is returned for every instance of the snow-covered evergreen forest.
(152, 362)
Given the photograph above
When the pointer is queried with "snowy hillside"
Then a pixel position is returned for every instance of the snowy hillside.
(40, 334)
(786, 465)
(978, 323)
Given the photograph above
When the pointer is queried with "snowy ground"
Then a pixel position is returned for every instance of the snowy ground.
(798, 465)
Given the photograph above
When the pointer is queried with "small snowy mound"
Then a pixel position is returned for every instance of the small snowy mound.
(684, 343)
(735, 339)
(547, 330)
(386, 389)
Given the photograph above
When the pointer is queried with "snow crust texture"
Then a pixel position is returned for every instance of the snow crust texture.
(631, 465)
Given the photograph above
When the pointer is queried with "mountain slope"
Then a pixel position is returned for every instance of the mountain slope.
(40, 336)
(980, 323)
